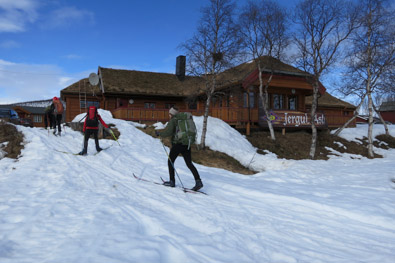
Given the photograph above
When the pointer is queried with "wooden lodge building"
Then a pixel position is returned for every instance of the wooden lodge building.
(147, 96)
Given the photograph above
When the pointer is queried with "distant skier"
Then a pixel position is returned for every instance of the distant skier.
(91, 126)
(58, 114)
(181, 141)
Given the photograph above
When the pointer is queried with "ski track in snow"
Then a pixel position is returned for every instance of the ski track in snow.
(57, 207)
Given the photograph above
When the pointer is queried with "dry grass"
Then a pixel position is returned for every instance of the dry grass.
(296, 145)
(8, 133)
(389, 141)
(208, 157)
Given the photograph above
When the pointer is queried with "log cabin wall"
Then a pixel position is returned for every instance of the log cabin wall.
(336, 117)
(148, 109)
(74, 106)
(119, 105)
(147, 103)
(230, 106)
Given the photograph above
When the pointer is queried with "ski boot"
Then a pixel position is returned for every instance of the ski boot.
(170, 183)
(198, 185)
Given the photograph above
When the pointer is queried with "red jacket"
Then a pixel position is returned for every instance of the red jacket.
(94, 127)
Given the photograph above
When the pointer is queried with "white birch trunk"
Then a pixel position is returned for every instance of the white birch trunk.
(210, 88)
(370, 129)
(313, 113)
(265, 101)
(205, 120)
(369, 93)
(382, 120)
(350, 120)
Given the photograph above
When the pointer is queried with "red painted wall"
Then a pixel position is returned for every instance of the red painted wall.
(388, 116)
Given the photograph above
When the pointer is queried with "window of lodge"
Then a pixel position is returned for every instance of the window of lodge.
(249, 96)
(292, 102)
(149, 105)
(169, 105)
(192, 105)
(278, 101)
(89, 103)
(37, 118)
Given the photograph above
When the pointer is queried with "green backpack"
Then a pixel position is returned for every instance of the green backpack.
(186, 129)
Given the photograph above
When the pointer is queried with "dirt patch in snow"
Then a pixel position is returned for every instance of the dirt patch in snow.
(11, 140)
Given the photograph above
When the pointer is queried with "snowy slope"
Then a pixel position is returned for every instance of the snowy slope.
(57, 207)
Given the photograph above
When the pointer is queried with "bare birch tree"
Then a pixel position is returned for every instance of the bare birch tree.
(212, 48)
(372, 58)
(322, 26)
(263, 27)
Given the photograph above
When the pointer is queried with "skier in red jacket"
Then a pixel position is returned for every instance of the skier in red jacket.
(91, 126)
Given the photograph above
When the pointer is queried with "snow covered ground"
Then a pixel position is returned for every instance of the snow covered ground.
(57, 207)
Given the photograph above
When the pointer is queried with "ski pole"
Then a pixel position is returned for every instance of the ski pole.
(168, 156)
(83, 143)
(113, 135)
(83, 117)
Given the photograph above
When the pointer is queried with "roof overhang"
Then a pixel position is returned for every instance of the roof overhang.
(19, 108)
(295, 80)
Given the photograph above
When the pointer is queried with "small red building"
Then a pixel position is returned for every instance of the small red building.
(362, 119)
(387, 111)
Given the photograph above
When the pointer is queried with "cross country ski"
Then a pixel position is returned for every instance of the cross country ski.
(186, 190)
(103, 149)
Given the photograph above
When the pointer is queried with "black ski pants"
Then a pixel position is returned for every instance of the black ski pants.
(57, 122)
(175, 150)
(88, 133)
(48, 120)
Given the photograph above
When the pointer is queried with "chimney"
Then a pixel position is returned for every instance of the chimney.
(180, 67)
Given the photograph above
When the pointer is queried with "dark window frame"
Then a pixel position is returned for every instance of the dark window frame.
(151, 105)
(296, 102)
(89, 103)
(278, 104)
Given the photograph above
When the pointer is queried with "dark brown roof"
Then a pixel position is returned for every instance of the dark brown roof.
(327, 100)
(119, 81)
(237, 74)
(148, 83)
(82, 85)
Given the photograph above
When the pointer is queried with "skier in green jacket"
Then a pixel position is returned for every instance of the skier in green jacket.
(180, 145)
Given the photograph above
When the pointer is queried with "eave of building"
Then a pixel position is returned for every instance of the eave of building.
(253, 79)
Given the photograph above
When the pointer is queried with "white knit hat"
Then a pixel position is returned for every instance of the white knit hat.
(173, 111)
